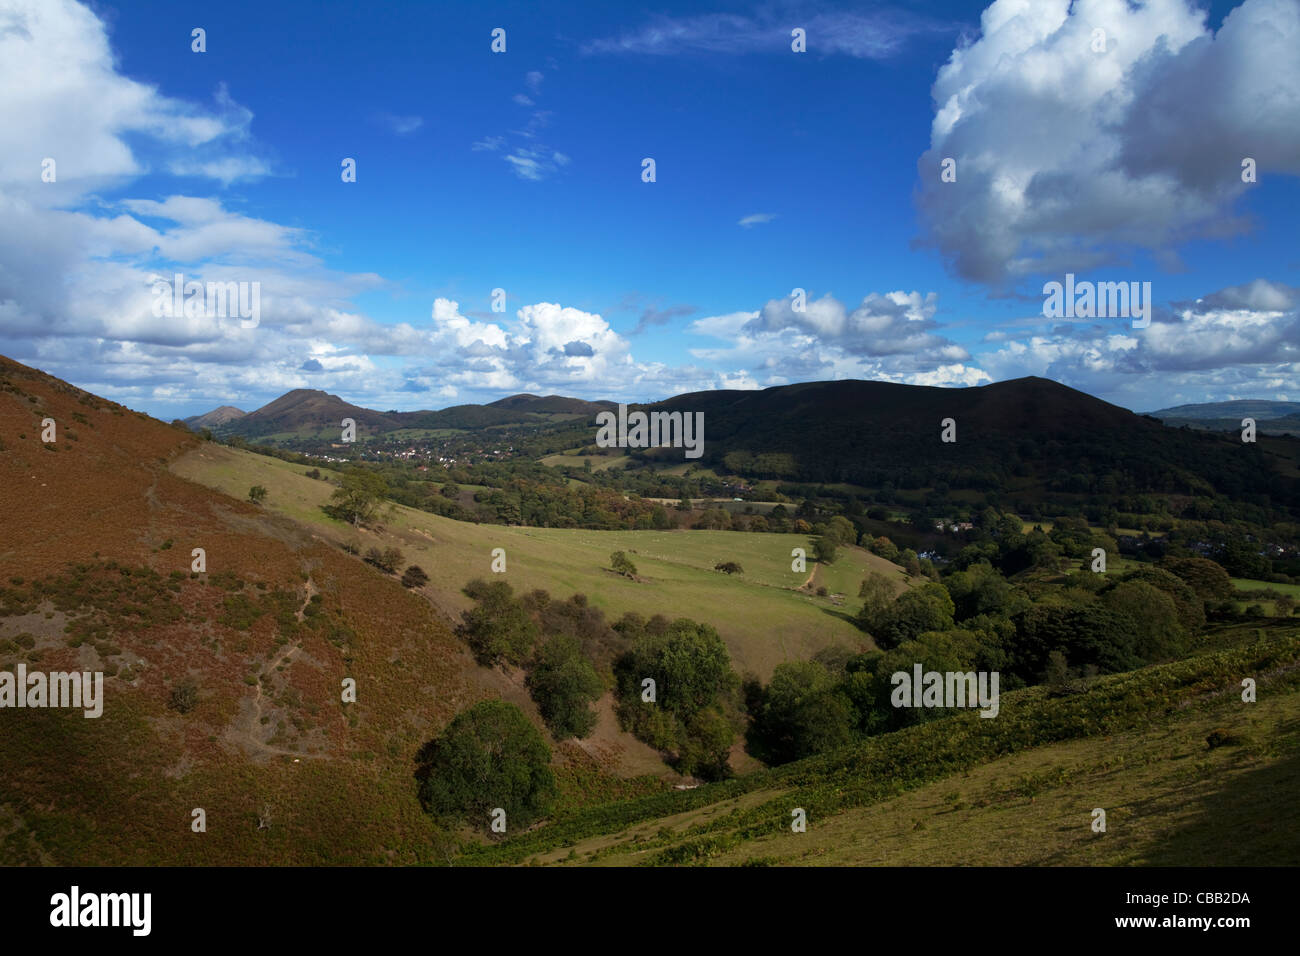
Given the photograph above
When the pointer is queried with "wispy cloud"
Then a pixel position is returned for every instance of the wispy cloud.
(532, 159)
(877, 35)
(401, 125)
(535, 164)
(755, 219)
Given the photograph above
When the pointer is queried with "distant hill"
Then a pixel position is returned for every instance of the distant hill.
(1271, 418)
(215, 418)
(551, 405)
(468, 417)
(309, 409)
(1242, 408)
(1029, 435)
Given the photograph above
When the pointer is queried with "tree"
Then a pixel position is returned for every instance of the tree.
(414, 577)
(910, 562)
(1206, 578)
(387, 560)
(498, 628)
(825, 548)
(706, 747)
(256, 494)
(451, 490)
(489, 756)
(980, 589)
(1191, 608)
(688, 663)
(799, 714)
(885, 548)
(564, 685)
(620, 563)
(358, 496)
(927, 608)
(1159, 635)
(877, 593)
(842, 530)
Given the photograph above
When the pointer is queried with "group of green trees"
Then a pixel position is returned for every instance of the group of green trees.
(677, 692)
(689, 709)
(974, 619)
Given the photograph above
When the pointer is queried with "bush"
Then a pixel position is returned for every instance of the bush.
(1222, 738)
(619, 562)
(414, 577)
(388, 560)
(184, 697)
(256, 494)
(489, 756)
(729, 567)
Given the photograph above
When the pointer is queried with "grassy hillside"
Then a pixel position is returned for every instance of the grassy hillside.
(1017, 789)
(760, 614)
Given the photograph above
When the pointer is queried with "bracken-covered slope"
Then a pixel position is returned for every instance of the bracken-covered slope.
(95, 575)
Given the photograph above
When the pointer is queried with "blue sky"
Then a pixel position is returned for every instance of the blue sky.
(775, 170)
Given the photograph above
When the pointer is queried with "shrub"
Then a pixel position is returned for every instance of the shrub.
(184, 697)
(1221, 738)
(729, 567)
(256, 494)
(387, 560)
(414, 577)
(619, 562)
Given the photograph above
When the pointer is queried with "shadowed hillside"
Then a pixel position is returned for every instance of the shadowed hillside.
(1029, 434)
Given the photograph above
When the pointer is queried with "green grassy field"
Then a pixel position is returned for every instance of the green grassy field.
(1270, 608)
(1169, 800)
(759, 614)
(598, 462)
(1246, 584)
